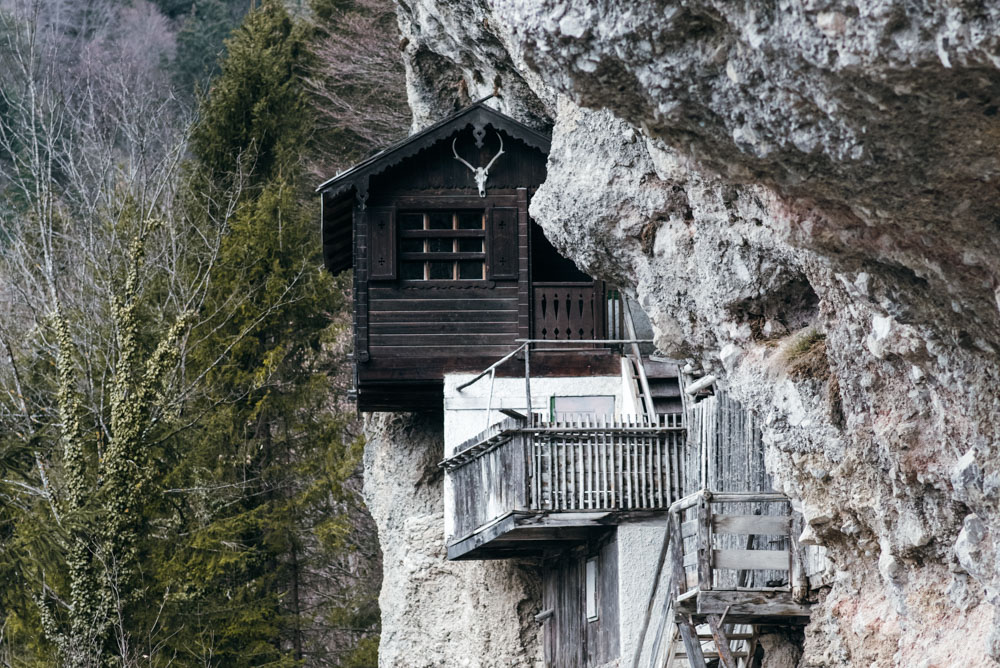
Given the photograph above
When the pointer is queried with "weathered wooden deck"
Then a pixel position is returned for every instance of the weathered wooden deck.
(517, 488)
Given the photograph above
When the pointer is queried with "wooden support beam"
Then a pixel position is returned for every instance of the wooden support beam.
(688, 633)
(692, 647)
(726, 659)
(744, 604)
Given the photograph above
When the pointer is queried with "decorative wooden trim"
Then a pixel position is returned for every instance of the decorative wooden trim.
(524, 314)
(476, 116)
(382, 243)
(503, 241)
(360, 285)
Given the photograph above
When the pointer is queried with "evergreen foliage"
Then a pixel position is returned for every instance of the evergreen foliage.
(178, 465)
(200, 39)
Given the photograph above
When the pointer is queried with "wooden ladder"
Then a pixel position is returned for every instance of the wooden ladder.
(712, 644)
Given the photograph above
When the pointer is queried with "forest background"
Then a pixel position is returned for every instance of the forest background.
(179, 461)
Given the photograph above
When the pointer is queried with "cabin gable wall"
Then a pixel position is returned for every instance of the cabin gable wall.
(413, 321)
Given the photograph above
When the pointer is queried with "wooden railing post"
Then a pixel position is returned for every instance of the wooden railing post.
(705, 542)
(678, 585)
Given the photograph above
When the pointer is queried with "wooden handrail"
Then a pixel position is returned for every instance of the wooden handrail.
(647, 395)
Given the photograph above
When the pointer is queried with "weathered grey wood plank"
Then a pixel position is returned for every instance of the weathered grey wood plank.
(748, 560)
(725, 653)
(745, 603)
(765, 525)
(705, 552)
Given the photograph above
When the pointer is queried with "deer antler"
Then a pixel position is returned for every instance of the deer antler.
(499, 153)
(458, 157)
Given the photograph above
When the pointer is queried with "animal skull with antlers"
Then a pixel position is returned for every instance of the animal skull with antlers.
(480, 174)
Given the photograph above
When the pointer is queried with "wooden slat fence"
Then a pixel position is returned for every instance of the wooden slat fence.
(575, 463)
(596, 463)
(724, 453)
(717, 550)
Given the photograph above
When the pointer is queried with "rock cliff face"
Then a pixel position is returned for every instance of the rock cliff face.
(804, 198)
(469, 614)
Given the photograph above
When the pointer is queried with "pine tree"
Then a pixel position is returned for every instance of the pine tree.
(273, 437)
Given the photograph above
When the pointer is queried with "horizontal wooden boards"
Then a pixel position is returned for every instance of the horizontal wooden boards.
(747, 606)
(386, 364)
(417, 322)
(751, 560)
(376, 305)
(438, 316)
(443, 341)
(470, 295)
(377, 327)
(401, 396)
(759, 525)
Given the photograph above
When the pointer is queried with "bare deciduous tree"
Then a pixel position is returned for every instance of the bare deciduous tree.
(358, 80)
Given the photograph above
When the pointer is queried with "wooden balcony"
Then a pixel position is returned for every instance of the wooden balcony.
(736, 555)
(518, 488)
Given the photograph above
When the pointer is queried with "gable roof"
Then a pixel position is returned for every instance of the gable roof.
(338, 193)
(477, 115)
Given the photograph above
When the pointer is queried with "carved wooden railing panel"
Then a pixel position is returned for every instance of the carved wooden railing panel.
(568, 311)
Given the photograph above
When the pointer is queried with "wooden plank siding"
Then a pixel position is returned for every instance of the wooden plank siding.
(490, 486)
(439, 325)
(411, 328)
(569, 639)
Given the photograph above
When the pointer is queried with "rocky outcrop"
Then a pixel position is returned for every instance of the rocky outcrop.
(804, 197)
(471, 614)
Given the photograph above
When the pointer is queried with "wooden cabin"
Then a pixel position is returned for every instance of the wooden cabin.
(449, 270)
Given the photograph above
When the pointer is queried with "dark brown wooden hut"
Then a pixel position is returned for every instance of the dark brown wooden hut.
(449, 271)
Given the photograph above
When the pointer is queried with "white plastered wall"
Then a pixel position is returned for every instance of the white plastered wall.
(638, 551)
(465, 411)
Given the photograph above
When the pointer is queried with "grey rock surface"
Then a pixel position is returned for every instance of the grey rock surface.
(803, 196)
(435, 612)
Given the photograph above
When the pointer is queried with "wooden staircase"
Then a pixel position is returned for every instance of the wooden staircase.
(731, 646)
(664, 385)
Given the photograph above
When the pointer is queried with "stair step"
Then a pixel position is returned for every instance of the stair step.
(660, 369)
(731, 636)
(711, 654)
(668, 405)
(664, 388)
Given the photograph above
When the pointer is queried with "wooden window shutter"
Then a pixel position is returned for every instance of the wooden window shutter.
(382, 243)
(502, 254)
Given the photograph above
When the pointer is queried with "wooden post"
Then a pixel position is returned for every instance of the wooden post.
(687, 630)
(705, 543)
(527, 384)
(726, 659)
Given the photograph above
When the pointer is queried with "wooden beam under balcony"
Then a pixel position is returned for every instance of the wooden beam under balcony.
(533, 534)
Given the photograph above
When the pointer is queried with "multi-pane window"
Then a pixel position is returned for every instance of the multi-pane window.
(442, 245)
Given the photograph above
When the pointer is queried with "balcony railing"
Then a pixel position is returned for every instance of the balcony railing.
(576, 311)
(571, 464)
